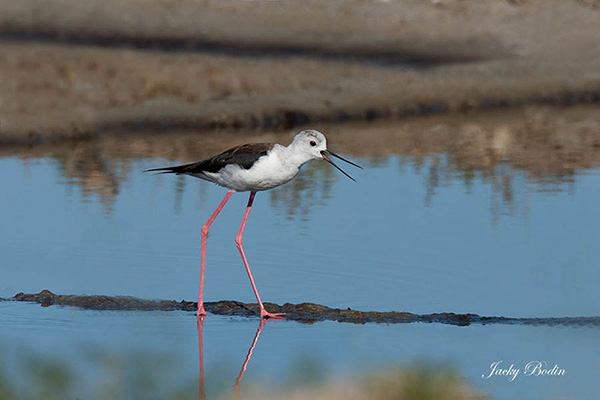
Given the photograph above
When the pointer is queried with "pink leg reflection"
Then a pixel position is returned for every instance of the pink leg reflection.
(238, 381)
(201, 392)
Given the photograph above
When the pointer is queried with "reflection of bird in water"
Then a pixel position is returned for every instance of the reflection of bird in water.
(238, 381)
(254, 167)
(201, 391)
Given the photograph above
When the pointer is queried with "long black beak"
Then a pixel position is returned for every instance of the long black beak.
(327, 153)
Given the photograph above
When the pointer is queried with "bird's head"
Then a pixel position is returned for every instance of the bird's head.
(314, 144)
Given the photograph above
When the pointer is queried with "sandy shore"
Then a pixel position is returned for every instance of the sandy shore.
(96, 67)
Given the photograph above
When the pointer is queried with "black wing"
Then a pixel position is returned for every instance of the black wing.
(244, 155)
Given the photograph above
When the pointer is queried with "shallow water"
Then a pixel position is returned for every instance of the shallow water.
(370, 245)
(163, 347)
(428, 232)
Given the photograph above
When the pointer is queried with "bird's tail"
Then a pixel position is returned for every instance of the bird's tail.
(167, 170)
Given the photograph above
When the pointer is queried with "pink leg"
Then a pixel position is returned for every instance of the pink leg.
(201, 310)
(238, 243)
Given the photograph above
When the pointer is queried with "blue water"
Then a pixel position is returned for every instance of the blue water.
(391, 241)
(366, 245)
(165, 344)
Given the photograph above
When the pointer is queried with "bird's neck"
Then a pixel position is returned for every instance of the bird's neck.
(295, 157)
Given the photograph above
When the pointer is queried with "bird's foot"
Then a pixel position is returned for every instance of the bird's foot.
(264, 314)
(201, 312)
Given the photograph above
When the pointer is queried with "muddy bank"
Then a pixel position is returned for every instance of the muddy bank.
(304, 312)
(92, 68)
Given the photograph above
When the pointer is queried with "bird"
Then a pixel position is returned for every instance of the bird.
(254, 167)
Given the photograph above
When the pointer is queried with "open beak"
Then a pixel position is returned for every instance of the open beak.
(327, 153)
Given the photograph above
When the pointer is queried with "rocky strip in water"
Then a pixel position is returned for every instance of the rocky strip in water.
(303, 312)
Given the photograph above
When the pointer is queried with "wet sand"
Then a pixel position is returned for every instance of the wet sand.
(304, 312)
(86, 69)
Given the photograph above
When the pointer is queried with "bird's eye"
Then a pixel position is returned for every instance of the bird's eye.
(313, 143)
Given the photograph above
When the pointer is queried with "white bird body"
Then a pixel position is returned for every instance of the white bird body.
(269, 171)
(259, 166)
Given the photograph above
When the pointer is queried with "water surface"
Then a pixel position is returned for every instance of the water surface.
(441, 220)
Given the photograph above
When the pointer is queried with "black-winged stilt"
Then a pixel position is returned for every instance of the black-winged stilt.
(254, 167)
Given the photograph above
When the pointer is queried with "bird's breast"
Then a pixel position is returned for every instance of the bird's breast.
(266, 173)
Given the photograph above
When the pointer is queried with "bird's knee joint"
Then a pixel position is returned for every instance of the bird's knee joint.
(204, 230)
(238, 241)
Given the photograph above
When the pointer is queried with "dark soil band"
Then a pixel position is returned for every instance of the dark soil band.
(303, 312)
